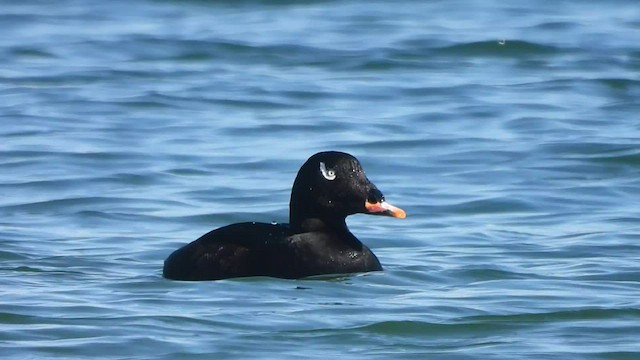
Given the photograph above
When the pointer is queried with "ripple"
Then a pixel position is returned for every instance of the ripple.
(506, 48)
(492, 205)
(565, 315)
(417, 327)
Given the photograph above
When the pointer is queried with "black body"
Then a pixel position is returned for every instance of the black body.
(329, 187)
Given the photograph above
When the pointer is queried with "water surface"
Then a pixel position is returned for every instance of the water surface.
(508, 132)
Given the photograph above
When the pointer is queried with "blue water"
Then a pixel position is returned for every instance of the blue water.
(509, 133)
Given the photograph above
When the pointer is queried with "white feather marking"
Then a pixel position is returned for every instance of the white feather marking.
(328, 174)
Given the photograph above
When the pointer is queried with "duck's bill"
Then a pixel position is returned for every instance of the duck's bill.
(384, 208)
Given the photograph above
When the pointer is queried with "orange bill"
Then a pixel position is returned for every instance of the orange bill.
(384, 208)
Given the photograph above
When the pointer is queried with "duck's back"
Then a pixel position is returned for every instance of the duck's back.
(236, 250)
(260, 249)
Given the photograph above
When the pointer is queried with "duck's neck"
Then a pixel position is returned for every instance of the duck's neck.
(336, 227)
(301, 222)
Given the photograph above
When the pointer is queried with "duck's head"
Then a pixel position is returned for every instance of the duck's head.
(331, 186)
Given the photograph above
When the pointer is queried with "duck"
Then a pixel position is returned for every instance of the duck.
(329, 186)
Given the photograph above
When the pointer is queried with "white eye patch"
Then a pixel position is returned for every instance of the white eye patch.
(328, 174)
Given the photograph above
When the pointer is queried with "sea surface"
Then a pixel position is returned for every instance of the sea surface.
(508, 131)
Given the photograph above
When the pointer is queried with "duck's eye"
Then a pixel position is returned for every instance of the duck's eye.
(328, 174)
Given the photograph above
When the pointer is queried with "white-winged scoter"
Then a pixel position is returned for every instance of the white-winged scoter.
(329, 187)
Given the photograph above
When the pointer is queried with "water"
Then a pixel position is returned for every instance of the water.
(508, 132)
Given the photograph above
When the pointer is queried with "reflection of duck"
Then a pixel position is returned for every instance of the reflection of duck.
(329, 187)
